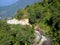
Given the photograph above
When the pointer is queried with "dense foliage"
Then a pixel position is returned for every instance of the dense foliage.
(46, 14)
(15, 34)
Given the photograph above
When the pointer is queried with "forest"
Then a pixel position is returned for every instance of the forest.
(46, 14)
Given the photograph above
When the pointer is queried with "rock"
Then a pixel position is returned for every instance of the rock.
(40, 39)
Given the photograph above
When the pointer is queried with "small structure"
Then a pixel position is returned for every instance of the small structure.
(0, 17)
(21, 22)
(13, 21)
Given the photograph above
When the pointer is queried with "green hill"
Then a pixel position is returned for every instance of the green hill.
(45, 14)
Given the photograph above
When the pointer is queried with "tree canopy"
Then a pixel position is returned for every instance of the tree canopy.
(46, 14)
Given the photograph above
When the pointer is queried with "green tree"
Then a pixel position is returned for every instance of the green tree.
(19, 14)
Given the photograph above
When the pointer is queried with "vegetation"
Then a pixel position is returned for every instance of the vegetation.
(15, 34)
(46, 14)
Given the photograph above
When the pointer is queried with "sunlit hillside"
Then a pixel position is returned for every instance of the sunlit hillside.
(36, 24)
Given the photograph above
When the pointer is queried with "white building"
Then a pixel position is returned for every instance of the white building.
(21, 22)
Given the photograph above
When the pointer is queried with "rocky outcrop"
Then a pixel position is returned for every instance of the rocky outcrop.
(40, 39)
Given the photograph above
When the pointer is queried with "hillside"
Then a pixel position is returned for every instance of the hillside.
(44, 15)
(10, 10)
